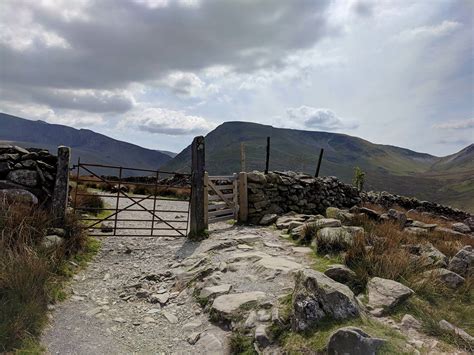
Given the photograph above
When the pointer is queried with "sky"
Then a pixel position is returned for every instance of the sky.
(159, 72)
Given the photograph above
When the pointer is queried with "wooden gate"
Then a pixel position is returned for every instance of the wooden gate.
(222, 197)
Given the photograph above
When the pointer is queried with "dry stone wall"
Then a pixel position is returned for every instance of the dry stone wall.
(282, 192)
(27, 174)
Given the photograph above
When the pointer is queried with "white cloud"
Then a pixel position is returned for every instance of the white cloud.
(460, 124)
(160, 120)
(424, 32)
(317, 118)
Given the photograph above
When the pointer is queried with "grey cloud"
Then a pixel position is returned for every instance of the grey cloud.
(363, 8)
(120, 42)
(318, 118)
(461, 124)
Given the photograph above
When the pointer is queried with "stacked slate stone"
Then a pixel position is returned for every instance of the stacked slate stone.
(388, 200)
(27, 174)
(281, 192)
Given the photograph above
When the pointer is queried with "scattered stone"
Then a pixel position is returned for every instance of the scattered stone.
(106, 227)
(244, 247)
(94, 311)
(141, 293)
(268, 219)
(352, 340)
(210, 343)
(192, 325)
(148, 320)
(415, 230)
(251, 320)
(463, 262)
(385, 294)
(372, 214)
(278, 263)
(418, 224)
(461, 228)
(170, 317)
(193, 337)
(449, 231)
(317, 297)
(398, 216)
(447, 277)
(408, 321)
(302, 250)
(119, 320)
(445, 325)
(261, 336)
(161, 298)
(227, 307)
(428, 255)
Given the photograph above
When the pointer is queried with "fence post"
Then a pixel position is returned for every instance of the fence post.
(206, 199)
(243, 199)
(242, 156)
(198, 222)
(61, 185)
(267, 160)
(319, 162)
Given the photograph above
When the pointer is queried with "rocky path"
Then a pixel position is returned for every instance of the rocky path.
(139, 294)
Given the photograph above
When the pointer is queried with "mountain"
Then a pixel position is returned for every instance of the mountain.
(90, 146)
(445, 180)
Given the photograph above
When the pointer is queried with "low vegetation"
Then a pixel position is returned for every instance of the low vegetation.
(83, 199)
(32, 274)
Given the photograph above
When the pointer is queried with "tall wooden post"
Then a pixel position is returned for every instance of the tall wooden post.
(61, 185)
(243, 198)
(198, 222)
(267, 160)
(242, 156)
(319, 162)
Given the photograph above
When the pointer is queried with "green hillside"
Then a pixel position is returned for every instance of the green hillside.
(397, 170)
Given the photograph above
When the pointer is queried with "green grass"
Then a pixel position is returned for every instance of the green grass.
(241, 344)
(316, 340)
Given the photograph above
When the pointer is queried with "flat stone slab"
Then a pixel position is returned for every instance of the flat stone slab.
(248, 238)
(212, 291)
(247, 256)
(228, 306)
(278, 264)
(302, 250)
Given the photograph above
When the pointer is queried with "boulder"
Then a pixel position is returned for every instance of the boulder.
(316, 297)
(445, 325)
(410, 322)
(427, 254)
(418, 224)
(385, 294)
(23, 177)
(469, 221)
(372, 214)
(336, 238)
(398, 216)
(18, 195)
(228, 307)
(268, 219)
(261, 336)
(336, 213)
(461, 228)
(341, 273)
(352, 340)
(463, 262)
(298, 232)
(256, 177)
(447, 277)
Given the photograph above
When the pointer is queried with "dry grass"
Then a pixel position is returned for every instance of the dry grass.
(30, 275)
(85, 200)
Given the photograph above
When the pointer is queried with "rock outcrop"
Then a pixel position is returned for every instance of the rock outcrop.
(317, 297)
(385, 294)
(352, 340)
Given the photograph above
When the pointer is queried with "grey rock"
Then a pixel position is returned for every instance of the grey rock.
(58, 231)
(227, 307)
(251, 320)
(445, 325)
(24, 177)
(418, 224)
(398, 216)
(447, 277)
(170, 317)
(193, 337)
(385, 294)
(50, 241)
(261, 336)
(463, 262)
(107, 227)
(317, 297)
(268, 219)
(352, 340)
(461, 228)
(341, 273)
(18, 195)
(214, 291)
(211, 344)
(408, 321)
(338, 238)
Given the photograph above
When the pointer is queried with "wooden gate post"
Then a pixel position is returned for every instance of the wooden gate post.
(198, 222)
(61, 185)
(243, 197)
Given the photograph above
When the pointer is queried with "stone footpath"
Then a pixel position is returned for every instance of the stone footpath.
(145, 295)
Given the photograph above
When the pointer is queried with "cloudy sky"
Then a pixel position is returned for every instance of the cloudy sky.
(158, 72)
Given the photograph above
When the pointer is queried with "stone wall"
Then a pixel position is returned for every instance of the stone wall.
(278, 192)
(388, 200)
(28, 174)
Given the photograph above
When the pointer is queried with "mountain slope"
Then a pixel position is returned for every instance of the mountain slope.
(90, 146)
(389, 168)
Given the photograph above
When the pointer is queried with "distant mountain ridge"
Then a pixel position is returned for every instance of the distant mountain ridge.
(90, 146)
(447, 180)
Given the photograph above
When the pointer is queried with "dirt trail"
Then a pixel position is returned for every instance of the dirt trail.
(115, 303)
